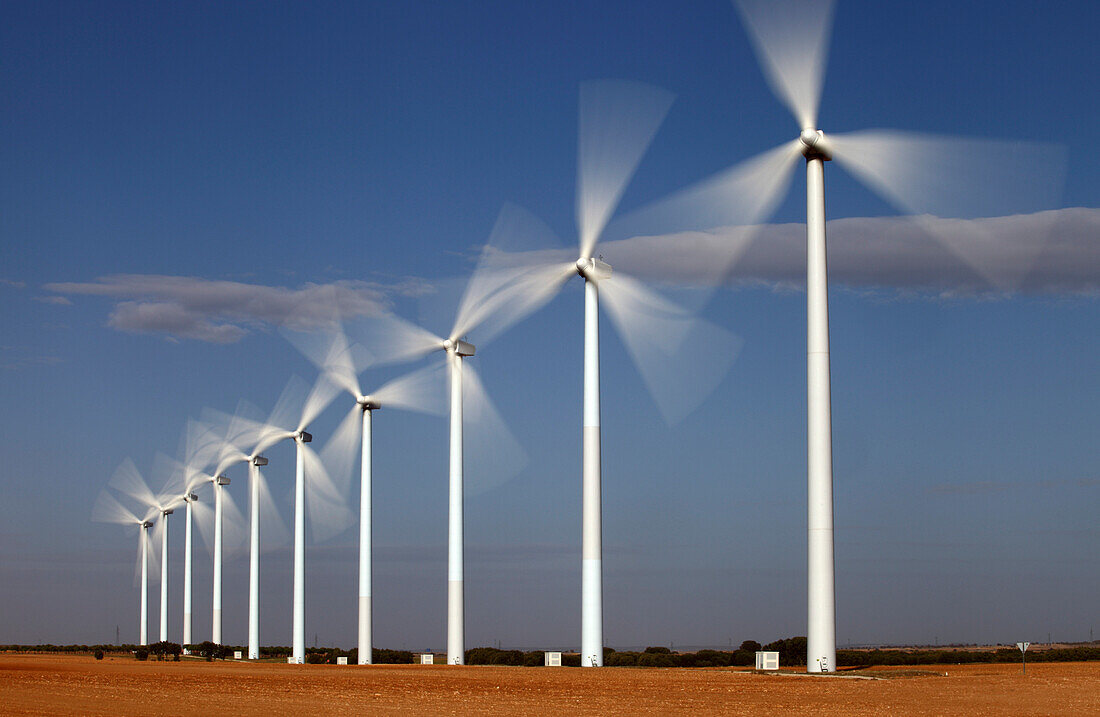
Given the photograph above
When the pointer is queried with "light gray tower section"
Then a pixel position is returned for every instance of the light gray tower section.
(366, 641)
(821, 627)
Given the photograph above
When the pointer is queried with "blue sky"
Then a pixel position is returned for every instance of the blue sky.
(313, 143)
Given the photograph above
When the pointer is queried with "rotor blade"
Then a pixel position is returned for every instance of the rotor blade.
(741, 195)
(618, 121)
(129, 481)
(492, 456)
(234, 527)
(108, 509)
(203, 515)
(238, 434)
(273, 529)
(791, 39)
(174, 475)
(340, 454)
(420, 390)
(391, 339)
(328, 511)
(201, 444)
(142, 539)
(681, 358)
(520, 269)
(960, 178)
(155, 534)
(329, 349)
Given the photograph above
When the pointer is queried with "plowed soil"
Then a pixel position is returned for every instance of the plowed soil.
(80, 685)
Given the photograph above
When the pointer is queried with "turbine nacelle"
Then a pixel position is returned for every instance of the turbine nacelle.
(220, 480)
(459, 347)
(146, 524)
(190, 498)
(815, 145)
(259, 461)
(167, 511)
(593, 269)
(303, 437)
(369, 404)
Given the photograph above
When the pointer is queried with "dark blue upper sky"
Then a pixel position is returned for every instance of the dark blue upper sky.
(288, 144)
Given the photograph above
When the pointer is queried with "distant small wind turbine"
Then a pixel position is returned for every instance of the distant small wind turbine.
(129, 482)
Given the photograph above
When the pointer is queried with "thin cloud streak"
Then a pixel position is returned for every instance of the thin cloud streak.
(184, 307)
(890, 253)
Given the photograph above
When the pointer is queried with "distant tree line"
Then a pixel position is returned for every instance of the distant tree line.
(792, 653)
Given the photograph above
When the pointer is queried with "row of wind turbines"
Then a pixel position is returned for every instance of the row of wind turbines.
(519, 271)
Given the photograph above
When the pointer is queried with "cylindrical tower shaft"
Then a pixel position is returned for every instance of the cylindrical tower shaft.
(143, 536)
(187, 577)
(216, 626)
(591, 517)
(455, 607)
(821, 629)
(164, 579)
(366, 642)
(253, 561)
(299, 637)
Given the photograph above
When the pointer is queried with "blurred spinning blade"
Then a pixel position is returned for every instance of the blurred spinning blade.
(681, 357)
(937, 177)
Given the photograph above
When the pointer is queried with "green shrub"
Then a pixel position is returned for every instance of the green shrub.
(99, 654)
(141, 654)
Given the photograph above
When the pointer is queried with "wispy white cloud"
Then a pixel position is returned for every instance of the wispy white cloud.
(18, 357)
(1051, 252)
(12, 283)
(54, 300)
(183, 307)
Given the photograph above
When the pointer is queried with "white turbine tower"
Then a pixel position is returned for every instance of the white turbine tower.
(494, 298)
(297, 407)
(328, 349)
(200, 448)
(921, 174)
(129, 482)
(618, 120)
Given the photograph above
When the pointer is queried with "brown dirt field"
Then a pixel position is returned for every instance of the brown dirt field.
(79, 685)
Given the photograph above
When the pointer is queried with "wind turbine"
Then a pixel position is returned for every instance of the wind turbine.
(200, 448)
(234, 437)
(618, 120)
(295, 410)
(329, 350)
(129, 482)
(921, 174)
(494, 298)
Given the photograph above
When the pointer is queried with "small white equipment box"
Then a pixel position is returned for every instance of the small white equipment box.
(551, 659)
(767, 660)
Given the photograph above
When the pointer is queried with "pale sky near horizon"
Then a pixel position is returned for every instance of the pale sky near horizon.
(176, 175)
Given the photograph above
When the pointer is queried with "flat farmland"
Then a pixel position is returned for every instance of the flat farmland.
(80, 685)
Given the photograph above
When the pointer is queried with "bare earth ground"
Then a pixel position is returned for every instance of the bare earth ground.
(79, 685)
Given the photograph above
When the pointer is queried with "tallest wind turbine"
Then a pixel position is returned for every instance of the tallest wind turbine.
(921, 174)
